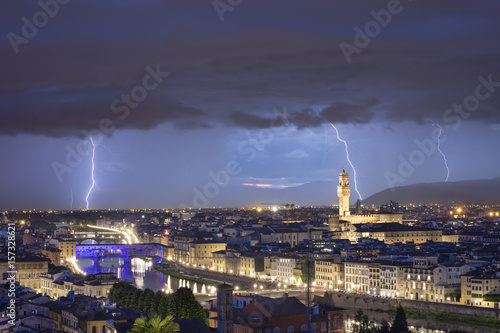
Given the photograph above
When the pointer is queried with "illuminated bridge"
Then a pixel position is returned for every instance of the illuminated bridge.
(90, 235)
(126, 251)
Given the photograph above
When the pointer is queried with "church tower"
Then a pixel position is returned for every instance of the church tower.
(343, 191)
(225, 308)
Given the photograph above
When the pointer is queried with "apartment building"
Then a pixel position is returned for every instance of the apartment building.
(329, 273)
(219, 261)
(292, 235)
(66, 245)
(29, 269)
(247, 265)
(374, 279)
(391, 279)
(201, 252)
(357, 278)
(419, 279)
(285, 268)
(60, 284)
(53, 254)
(478, 288)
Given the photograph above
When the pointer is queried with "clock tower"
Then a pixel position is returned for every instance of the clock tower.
(344, 191)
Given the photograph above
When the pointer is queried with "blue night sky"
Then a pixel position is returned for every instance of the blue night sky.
(251, 96)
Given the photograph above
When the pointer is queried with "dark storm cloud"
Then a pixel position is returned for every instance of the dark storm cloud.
(64, 80)
(249, 120)
(302, 119)
(349, 113)
(336, 113)
(73, 115)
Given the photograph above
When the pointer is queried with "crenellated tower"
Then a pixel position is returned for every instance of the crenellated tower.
(344, 192)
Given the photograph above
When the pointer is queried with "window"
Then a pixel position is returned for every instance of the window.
(276, 330)
(290, 329)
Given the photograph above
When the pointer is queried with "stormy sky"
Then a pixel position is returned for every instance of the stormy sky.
(209, 103)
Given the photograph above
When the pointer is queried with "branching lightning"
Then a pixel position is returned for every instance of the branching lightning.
(93, 167)
(348, 160)
(441, 152)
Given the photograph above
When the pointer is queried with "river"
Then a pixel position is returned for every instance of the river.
(142, 274)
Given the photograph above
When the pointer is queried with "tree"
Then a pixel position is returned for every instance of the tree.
(362, 323)
(384, 327)
(155, 302)
(163, 306)
(400, 325)
(303, 271)
(456, 295)
(183, 305)
(155, 325)
(133, 300)
(118, 292)
(144, 302)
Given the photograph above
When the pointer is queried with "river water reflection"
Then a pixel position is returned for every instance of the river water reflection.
(140, 273)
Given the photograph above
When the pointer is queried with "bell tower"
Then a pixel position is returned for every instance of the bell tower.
(225, 308)
(343, 191)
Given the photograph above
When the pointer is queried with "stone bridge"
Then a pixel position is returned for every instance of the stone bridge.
(125, 251)
(99, 240)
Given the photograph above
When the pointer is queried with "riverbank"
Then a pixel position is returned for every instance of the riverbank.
(464, 315)
(167, 269)
(451, 318)
(418, 325)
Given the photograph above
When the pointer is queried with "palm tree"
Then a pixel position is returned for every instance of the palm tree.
(155, 324)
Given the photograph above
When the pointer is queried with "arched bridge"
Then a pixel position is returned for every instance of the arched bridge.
(99, 240)
(124, 251)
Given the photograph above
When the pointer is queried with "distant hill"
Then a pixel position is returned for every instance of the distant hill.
(321, 193)
(482, 190)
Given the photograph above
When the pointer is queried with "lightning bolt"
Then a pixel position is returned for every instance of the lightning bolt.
(441, 152)
(349, 160)
(71, 191)
(93, 167)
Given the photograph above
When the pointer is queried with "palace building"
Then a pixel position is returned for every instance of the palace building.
(385, 226)
(344, 218)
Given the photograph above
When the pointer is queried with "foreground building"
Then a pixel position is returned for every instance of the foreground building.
(329, 273)
(29, 268)
(258, 314)
(480, 288)
(60, 284)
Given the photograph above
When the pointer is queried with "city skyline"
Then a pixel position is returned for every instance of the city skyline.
(177, 96)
